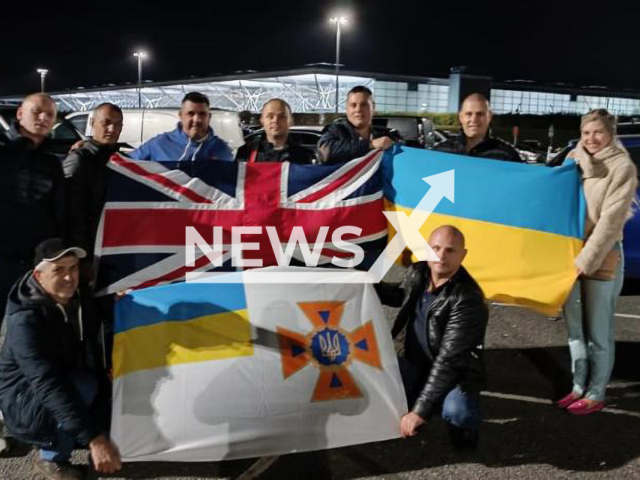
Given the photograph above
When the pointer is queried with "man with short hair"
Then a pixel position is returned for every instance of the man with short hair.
(444, 315)
(48, 365)
(193, 138)
(31, 189)
(474, 140)
(274, 144)
(85, 170)
(347, 139)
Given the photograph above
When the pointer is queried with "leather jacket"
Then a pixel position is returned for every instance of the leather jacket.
(490, 147)
(456, 325)
(85, 169)
(341, 142)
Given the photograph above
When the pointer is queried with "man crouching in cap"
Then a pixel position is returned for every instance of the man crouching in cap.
(48, 366)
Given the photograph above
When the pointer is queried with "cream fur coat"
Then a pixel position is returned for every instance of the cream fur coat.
(609, 179)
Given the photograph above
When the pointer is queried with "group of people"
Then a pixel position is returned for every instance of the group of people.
(52, 367)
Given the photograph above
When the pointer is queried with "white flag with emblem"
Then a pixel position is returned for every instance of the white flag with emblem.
(218, 371)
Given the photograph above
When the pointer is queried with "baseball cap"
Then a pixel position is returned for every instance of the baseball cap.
(53, 249)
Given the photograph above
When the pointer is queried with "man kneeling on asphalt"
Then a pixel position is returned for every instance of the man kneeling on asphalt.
(445, 316)
(48, 366)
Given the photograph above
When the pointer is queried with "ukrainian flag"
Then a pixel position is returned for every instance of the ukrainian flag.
(523, 224)
(220, 371)
(178, 324)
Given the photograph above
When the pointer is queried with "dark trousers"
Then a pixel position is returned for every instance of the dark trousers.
(86, 385)
(459, 409)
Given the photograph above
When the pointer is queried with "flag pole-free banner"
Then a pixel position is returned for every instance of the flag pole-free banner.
(141, 237)
(523, 224)
(206, 372)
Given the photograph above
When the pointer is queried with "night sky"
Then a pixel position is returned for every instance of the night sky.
(92, 46)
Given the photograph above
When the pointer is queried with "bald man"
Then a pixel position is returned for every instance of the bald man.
(274, 144)
(85, 170)
(31, 189)
(444, 317)
(474, 140)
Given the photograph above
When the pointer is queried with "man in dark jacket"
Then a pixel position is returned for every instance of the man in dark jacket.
(347, 139)
(274, 144)
(48, 365)
(31, 189)
(85, 174)
(474, 139)
(444, 315)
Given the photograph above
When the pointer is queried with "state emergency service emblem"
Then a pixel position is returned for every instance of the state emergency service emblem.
(329, 348)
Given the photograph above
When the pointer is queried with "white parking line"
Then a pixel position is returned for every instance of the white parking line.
(258, 468)
(622, 315)
(524, 398)
(627, 315)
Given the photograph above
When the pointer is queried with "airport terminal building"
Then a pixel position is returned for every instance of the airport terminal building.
(312, 89)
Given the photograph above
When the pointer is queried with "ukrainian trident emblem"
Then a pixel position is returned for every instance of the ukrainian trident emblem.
(330, 349)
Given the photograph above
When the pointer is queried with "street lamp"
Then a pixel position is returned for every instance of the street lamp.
(140, 55)
(338, 21)
(43, 73)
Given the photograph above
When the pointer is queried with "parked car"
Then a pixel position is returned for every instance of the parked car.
(413, 130)
(59, 144)
(532, 151)
(631, 241)
(629, 128)
(139, 125)
(6, 115)
(307, 136)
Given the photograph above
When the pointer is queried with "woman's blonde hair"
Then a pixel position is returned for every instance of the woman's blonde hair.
(608, 120)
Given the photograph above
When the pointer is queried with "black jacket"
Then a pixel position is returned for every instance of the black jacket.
(265, 152)
(490, 147)
(31, 195)
(343, 143)
(85, 174)
(43, 343)
(456, 323)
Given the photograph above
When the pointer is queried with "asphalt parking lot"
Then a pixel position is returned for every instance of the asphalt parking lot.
(523, 434)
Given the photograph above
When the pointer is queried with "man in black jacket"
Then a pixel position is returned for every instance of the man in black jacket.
(347, 139)
(474, 139)
(31, 189)
(85, 174)
(444, 315)
(48, 365)
(274, 144)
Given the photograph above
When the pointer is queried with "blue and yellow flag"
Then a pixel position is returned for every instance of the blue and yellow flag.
(213, 371)
(176, 325)
(523, 224)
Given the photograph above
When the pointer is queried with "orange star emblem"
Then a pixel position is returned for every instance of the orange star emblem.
(330, 349)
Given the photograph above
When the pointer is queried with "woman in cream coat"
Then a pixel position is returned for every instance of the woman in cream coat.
(609, 179)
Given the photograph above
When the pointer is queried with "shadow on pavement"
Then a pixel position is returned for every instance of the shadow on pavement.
(631, 287)
(518, 430)
(520, 427)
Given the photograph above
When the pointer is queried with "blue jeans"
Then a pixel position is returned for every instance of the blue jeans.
(459, 408)
(87, 387)
(589, 313)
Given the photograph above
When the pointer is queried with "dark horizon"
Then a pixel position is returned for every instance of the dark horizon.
(554, 44)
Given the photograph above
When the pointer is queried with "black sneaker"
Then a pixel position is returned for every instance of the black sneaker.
(464, 439)
(7, 445)
(57, 470)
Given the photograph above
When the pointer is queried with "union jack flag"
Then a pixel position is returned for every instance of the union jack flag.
(141, 238)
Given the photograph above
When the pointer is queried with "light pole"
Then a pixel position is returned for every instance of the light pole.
(338, 21)
(43, 73)
(140, 55)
